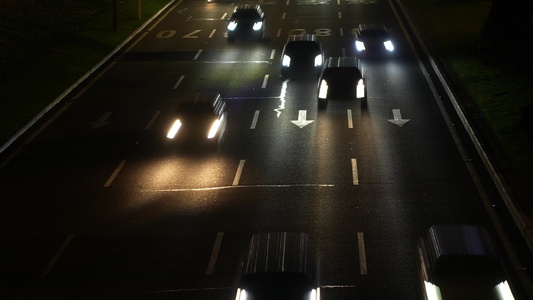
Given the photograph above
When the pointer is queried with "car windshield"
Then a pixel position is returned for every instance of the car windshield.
(246, 14)
(374, 33)
(341, 74)
(303, 48)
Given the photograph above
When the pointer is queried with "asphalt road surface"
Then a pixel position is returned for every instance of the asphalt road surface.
(98, 205)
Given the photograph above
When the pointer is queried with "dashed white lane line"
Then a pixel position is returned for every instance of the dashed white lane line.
(272, 53)
(254, 121)
(341, 31)
(56, 256)
(178, 82)
(283, 16)
(362, 253)
(279, 32)
(239, 172)
(152, 120)
(212, 33)
(224, 16)
(197, 54)
(115, 173)
(214, 254)
(354, 172)
(350, 118)
(265, 81)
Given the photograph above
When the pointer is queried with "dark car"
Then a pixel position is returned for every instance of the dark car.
(247, 21)
(201, 120)
(460, 262)
(302, 55)
(281, 266)
(342, 78)
(373, 39)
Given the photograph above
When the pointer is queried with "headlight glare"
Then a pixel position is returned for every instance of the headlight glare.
(360, 46)
(286, 61)
(232, 25)
(174, 129)
(388, 45)
(258, 25)
(214, 129)
(360, 89)
(318, 60)
(323, 90)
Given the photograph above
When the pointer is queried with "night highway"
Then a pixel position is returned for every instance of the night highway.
(102, 206)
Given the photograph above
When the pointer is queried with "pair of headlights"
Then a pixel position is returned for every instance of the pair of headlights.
(359, 91)
(213, 130)
(360, 46)
(286, 61)
(233, 24)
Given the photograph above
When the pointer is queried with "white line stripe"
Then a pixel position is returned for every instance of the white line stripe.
(212, 33)
(340, 15)
(239, 172)
(57, 255)
(224, 16)
(197, 54)
(115, 173)
(178, 82)
(350, 119)
(288, 1)
(341, 31)
(279, 32)
(354, 172)
(338, 2)
(273, 54)
(265, 81)
(152, 120)
(214, 254)
(254, 121)
(362, 254)
(283, 16)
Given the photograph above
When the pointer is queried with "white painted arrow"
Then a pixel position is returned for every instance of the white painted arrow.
(302, 119)
(102, 121)
(398, 118)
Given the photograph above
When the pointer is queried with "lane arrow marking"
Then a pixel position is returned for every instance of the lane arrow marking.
(398, 118)
(102, 121)
(302, 119)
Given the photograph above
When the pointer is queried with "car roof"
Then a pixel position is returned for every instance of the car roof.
(249, 7)
(372, 26)
(304, 37)
(202, 102)
(336, 62)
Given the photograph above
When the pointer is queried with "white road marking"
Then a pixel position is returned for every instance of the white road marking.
(152, 120)
(178, 82)
(115, 173)
(288, 1)
(279, 32)
(341, 31)
(254, 121)
(197, 54)
(302, 119)
(57, 255)
(214, 254)
(224, 16)
(362, 254)
(239, 172)
(283, 16)
(265, 81)
(272, 54)
(212, 33)
(354, 172)
(340, 15)
(350, 118)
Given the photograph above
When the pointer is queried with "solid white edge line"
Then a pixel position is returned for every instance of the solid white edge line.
(362, 253)
(254, 121)
(265, 81)
(178, 82)
(350, 118)
(214, 254)
(152, 120)
(56, 256)
(354, 172)
(115, 173)
(239, 172)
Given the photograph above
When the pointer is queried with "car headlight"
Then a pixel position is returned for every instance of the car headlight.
(241, 294)
(318, 60)
(286, 61)
(214, 129)
(232, 25)
(258, 25)
(323, 90)
(360, 88)
(388, 45)
(432, 291)
(360, 46)
(174, 129)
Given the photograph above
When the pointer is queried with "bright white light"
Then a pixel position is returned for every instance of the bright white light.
(314, 294)
(505, 291)
(318, 60)
(432, 291)
(241, 294)
(232, 25)
(388, 46)
(360, 46)
(323, 91)
(214, 129)
(360, 89)
(258, 25)
(286, 61)
(174, 129)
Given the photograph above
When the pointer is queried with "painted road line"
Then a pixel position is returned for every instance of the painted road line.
(265, 81)
(254, 121)
(341, 31)
(214, 254)
(224, 16)
(362, 253)
(288, 2)
(239, 172)
(272, 54)
(115, 173)
(340, 15)
(56, 256)
(178, 82)
(279, 32)
(283, 16)
(212, 33)
(197, 54)
(152, 120)
(354, 172)
(350, 118)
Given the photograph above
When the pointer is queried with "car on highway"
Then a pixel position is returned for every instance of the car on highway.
(199, 121)
(279, 265)
(342, 78)
(302, 55)
(247, 22)
(460, 262)
(373, 40)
